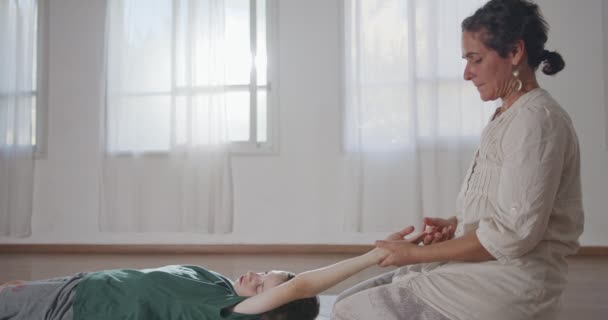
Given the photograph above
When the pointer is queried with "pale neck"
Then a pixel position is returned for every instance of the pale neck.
(510, 99)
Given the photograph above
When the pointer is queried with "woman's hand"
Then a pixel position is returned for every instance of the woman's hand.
(397, 251)
(400, 252)
(465, 248)
(438, 229)
(380, 254)
(387, 250)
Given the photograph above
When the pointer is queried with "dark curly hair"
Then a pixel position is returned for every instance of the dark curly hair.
(504, 22)
(302, 309)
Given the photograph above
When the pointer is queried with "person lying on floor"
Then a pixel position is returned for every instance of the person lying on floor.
(181, 292)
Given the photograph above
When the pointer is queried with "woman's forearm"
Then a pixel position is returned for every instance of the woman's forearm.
(466, 248)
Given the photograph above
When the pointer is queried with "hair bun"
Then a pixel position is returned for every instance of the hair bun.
(552, 62)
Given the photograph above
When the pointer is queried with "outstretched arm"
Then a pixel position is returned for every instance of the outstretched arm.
(311, 283)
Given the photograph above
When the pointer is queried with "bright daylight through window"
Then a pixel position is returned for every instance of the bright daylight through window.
(18, 79)
(184, 73)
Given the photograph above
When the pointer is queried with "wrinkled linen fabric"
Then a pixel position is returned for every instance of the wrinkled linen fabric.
(522, 197)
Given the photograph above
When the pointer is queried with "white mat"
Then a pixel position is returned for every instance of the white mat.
(327, 302)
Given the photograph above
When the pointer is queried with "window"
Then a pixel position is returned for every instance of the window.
(20, 98)
(165, 55)
(403, 76)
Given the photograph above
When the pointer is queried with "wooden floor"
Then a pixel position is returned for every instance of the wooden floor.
(586, 297)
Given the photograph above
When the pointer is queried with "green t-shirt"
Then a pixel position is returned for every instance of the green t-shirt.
(167, 293)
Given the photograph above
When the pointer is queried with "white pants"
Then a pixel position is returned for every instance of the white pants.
(380, 298)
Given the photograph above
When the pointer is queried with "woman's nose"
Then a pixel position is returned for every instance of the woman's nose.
(466, 75)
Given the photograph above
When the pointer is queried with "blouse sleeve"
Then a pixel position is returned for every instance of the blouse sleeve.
(534, 150)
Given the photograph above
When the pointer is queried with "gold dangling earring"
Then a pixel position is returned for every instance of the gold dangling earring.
(518, 84)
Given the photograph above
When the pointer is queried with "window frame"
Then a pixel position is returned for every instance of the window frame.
(271, 145)
(250, 147)
(42, 73)
(40, 94)
(423, 143)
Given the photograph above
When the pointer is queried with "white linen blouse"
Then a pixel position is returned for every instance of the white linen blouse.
(522, 196)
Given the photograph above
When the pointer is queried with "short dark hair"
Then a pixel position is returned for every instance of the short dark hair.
(503, 22)
(302, 309)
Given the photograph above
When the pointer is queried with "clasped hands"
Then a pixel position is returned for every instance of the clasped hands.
(401, 251)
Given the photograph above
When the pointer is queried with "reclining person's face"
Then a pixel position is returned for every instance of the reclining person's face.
(253, 283)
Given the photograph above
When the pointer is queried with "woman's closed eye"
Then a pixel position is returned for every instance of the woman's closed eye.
(476, 59)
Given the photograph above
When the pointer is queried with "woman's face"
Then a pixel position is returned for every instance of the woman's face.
(489, 72)
(252, 283)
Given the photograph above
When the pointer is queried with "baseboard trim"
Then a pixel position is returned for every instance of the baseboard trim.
(183, 249)
(222, 249)
(592, 251)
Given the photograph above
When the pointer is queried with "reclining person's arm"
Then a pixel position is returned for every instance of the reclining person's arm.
(309, 283)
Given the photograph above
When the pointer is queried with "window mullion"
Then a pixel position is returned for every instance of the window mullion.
(18, 73)
(411, 27)
(434, 66)
(253, 82)
(174, 125)
(188, 35)
(41, 91)
(182, 90)
(19, 94)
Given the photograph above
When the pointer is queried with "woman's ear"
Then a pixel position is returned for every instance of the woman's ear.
(518, 52)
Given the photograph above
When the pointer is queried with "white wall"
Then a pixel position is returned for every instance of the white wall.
(576, 32)
(290, 197)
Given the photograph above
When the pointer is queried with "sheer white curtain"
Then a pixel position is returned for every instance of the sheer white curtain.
(411, 123)
(18, 28)
(166, 162)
